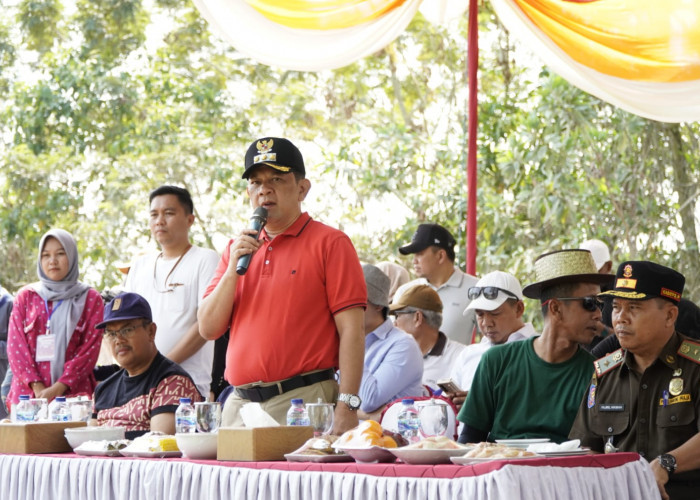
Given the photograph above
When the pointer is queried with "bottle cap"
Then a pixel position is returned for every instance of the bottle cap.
(185, 401)
(24, 397)
(61, 399)
(407, 401)
(297, 401)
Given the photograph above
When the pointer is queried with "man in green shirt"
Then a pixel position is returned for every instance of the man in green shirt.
(532, 389)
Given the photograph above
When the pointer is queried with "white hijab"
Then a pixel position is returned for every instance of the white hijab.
(72, 292)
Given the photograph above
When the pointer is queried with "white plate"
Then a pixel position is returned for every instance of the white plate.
(473, 461)
(372, 455)
(319, 459)
(580, 451)
(522, 443)
(97, 453)
(418, 456)
(149, 454)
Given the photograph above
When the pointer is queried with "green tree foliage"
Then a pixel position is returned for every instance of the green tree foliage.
(102, 103)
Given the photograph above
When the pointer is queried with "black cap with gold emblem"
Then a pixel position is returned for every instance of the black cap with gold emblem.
(274, 152)
(641, 280)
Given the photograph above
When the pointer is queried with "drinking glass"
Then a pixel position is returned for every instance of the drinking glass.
(320, 417)
(208, 416)
(433, 419)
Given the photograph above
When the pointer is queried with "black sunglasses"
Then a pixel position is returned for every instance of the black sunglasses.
(490, 292)
(589, 303)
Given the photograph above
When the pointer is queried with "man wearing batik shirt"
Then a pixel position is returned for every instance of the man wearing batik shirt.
(145, 393)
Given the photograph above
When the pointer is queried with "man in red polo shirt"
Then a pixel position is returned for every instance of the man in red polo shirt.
(297, 314)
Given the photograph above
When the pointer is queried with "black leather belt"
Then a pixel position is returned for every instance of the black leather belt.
(260, 393)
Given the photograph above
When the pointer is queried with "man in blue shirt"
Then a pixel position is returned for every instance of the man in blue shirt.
(393, 362)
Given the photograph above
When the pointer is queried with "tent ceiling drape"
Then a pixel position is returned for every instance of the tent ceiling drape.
(640, 55)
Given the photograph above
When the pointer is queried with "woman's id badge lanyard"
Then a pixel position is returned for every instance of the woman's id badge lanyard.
(46, 344)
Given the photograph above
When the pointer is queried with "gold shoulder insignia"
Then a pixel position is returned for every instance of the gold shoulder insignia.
(607, 363)
(690, 350)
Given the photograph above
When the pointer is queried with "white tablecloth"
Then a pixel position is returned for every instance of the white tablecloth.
(38, 477)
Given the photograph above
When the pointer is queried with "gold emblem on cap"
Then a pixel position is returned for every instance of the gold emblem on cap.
(116, 304)
(265, 146)
(670, 359)
(675, 387)
(627, 271)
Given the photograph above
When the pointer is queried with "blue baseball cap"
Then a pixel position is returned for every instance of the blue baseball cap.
(125, 306)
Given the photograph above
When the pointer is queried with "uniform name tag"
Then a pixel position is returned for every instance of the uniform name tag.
(613, 407)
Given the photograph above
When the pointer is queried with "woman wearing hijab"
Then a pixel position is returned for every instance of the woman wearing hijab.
(52, 340)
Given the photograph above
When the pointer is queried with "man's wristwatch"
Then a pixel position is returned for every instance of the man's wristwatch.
(668, 462)
(352, 400)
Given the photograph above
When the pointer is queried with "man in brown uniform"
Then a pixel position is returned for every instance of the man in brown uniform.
(645, 397)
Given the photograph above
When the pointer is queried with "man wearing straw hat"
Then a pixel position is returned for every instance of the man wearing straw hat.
(532, 388)
(645, 397)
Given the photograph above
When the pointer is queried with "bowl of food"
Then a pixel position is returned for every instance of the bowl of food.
(197, 445)
(79, 435)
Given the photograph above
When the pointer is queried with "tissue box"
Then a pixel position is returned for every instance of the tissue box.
(260, 443)
(35, 437)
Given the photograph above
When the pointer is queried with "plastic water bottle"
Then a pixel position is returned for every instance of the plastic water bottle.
(409, 422)
(185, 417)
(60, 411)
(24, 411)
(297, 414)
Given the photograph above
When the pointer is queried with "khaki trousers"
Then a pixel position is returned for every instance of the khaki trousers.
(278, 406)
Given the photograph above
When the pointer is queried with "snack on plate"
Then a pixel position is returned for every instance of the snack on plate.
(436, 443)
(369, 433)
(319, 446)
(493, 450)
(104, 445)
(154, 443)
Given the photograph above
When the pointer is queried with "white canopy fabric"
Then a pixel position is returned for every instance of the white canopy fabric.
(267, 42)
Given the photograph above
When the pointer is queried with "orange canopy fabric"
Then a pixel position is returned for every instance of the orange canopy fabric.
(643, 40)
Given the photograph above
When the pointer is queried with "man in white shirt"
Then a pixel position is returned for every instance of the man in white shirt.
(173, 282)
(497, 300)
(419, 312)
(433, 260)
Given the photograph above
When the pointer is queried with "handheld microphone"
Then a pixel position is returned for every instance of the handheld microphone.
(257, 222)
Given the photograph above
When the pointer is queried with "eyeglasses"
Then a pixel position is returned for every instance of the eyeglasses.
(490, 292)
(125, 332)
(589, 303)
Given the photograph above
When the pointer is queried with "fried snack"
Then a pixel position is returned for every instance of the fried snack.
(369, 433)
(319, 446)
(436, 443)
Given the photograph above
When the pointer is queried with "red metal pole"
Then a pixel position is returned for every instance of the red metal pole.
(473, 66)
